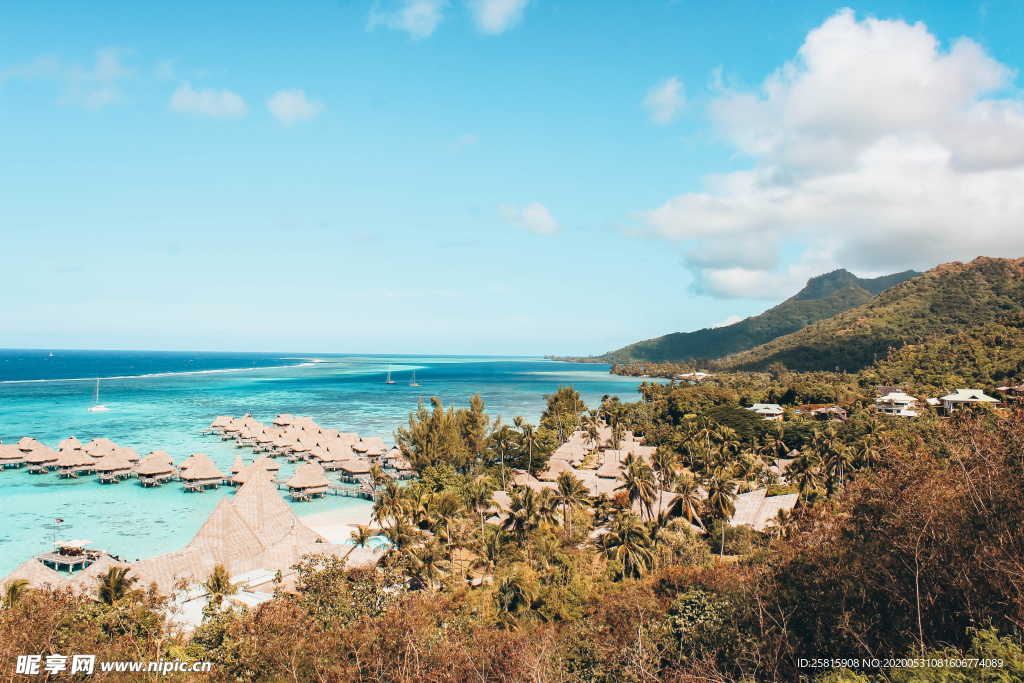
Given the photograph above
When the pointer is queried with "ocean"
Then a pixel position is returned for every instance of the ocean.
(164, 400)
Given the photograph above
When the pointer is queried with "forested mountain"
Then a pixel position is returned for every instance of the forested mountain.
(822, 297)
(950, 299)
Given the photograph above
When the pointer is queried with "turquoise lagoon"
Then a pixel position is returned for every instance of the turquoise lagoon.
(165, 401)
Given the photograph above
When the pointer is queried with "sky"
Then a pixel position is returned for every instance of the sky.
(486, 176)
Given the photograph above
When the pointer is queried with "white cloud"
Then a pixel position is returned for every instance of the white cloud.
(208, 102)
(496, 16)
(93, 86)
(665, 100)
(874, 149)
(535, 217)
(292, 106)
(731, 320)
(418, 18)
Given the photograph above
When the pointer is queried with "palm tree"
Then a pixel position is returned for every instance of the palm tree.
(514, 594)
(664, 465)
(115, 585)
(627, 541)
(688, 497)
(547, 507)
(389, 503)
(523, 512)
(479, 497)
(721, 494)
(428, 564)
(490, 548)
(638, 482)
(570, 494)
(218, 584)
(804, 472)
(361, 536)
(13, 592)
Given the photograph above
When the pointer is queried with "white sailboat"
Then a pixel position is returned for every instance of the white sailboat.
(98, 407)
(413, 382)
(389, 380)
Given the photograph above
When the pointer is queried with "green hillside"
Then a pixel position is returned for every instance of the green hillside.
(983, 356)
(821, 298)
(947, 300)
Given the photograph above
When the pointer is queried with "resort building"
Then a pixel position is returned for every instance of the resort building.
(758, 510)
(155, 469)
(201, 473)
(965, 397)
(308, 481)
(822, 411)
(695, 377)
(769, 411)
(113, 467)
(11, 456)
(40, 459)
(896, 402)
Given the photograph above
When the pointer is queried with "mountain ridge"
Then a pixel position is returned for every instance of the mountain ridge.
(823, 296)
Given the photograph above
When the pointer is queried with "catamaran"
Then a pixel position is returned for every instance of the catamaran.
(389, 380)
(413, 382)
(98, 407)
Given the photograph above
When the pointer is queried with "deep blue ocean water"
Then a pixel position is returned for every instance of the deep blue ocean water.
(163, 400)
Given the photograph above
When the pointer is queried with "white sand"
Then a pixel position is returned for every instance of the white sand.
(337, 525)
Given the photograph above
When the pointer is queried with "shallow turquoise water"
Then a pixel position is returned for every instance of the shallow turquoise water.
(169, 411)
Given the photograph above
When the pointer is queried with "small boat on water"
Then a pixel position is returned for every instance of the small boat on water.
(413, 382)
(389, 380)
(98, 407)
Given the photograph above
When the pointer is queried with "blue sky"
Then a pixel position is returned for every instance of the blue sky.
(497, 176)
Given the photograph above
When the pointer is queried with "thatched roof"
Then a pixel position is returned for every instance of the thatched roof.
(263, 464)
(41, 455)
(113, 462)
(371, 445)
(555, 467)
(155, 464)
(70, 443)
(27, 443)
(36, 573)
(284, 419)
(354, 466)
(201, 469)
(10, 452)
(237, 466)
(71, 457)
(264, 509)
(98, 448)
(128, 453)
(221, 421)
(757, 510)
(308, 475)
(187, 462)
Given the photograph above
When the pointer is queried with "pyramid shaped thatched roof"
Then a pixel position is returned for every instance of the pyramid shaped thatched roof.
(72, 457)
(156, 463)
(10, 452)
(265, 510)
(41, 455)
(201, 469)
(112, 462)
(308, 475)
(27, 443)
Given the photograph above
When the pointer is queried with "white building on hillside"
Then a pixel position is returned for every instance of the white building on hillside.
(963, 397)
(897, 403)
(769, 411)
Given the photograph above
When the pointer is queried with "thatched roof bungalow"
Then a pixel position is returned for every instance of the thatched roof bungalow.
(308, 481)
(201, 473)
(155, 469)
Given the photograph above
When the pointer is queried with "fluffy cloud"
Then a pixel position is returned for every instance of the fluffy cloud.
(207, 102)
(93, 86)
(418, 18)
(292, 106)
(874, 149)
(497, 16)
(664, 101)
(535, 217)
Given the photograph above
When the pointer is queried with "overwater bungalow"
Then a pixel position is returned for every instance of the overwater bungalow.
(237, 465)
(72, 461)
(352, 470)
(113, 468)
(155, 469)
(201, 474)
(219, 423)
(284, 420)
(11, 456)
(40, 459)
(27, 444)
(258, 466)
(308, 482)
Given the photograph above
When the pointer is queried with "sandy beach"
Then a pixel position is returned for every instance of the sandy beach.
(337, 525)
